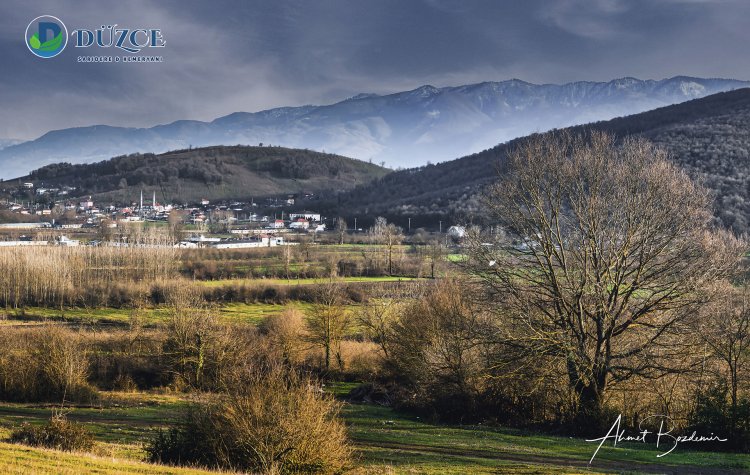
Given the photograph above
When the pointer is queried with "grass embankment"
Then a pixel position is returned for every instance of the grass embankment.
(386, 441)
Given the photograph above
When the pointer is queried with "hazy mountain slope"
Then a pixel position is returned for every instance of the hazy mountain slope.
(213, 173)
(710, 137)
(8, 142)
(403, 129)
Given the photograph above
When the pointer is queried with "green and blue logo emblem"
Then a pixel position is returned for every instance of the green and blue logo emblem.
(46, 36)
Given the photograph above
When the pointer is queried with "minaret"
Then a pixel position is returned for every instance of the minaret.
(141, 208)
(154, 202)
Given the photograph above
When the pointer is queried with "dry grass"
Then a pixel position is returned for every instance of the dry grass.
(273, 422)
(23, 460)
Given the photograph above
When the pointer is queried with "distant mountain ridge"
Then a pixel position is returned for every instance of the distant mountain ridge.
(410, 128)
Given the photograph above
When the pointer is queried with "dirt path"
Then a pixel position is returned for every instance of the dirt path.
(600, 465)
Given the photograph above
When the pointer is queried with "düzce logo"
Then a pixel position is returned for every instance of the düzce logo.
(46, 36)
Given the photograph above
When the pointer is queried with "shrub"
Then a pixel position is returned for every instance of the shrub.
(127, 360)
(437, 350)
(713, 415)
(286, 336)
(59, 433)
(44, 364)
(275, 422)
(202, 353)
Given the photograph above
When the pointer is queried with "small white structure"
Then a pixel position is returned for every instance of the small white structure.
(308, 215)
(300, 223)
(24, 225)
(67, 242)
(263, 240)
(457, 232)
(203, 239)
(277, 224)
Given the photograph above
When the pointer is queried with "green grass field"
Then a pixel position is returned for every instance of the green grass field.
(386, 442)
(252, 314)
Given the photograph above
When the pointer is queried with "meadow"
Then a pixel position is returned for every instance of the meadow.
(126, 416)
(386, 441)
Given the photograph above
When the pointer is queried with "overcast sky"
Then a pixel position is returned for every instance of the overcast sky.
(223, 56)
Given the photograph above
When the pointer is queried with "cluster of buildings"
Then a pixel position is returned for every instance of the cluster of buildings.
(241, 223)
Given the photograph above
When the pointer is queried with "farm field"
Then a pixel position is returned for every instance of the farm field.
(385, 442)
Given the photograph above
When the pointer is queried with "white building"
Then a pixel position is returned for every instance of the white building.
(263, 240)
(300, 223)
(277, 224)
(308, 215)
(67, 242)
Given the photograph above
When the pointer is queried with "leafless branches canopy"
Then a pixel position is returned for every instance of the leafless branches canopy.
(612, 252)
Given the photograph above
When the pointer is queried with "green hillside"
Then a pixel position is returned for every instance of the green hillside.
(222, 172)
(708, 137)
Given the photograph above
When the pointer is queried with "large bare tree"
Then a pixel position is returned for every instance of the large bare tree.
(610, 251)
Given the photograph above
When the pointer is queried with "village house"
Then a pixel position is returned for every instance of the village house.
(308, 215)
(300, 223)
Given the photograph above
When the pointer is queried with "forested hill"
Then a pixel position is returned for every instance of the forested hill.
(710, 137)
(220, 172)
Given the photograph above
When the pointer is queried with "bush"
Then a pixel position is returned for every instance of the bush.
(44, 364)
(436, 349)
(275, 422)
(202, 353)
(59, 433)
(713, 415)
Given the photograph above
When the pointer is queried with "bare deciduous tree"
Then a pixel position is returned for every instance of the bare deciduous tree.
(725, 328)
(389, 236)
(176, 223)
(438, 343)
(328, 321)
(436, 253)
(613, 250)
(341, 229)
(377, 316)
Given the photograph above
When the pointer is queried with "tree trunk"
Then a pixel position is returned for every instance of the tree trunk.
(328, 355)
(590, 390)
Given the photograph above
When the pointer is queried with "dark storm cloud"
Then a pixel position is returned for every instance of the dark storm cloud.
(224, 56)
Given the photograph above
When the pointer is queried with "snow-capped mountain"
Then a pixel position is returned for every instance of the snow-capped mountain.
(403, 129)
